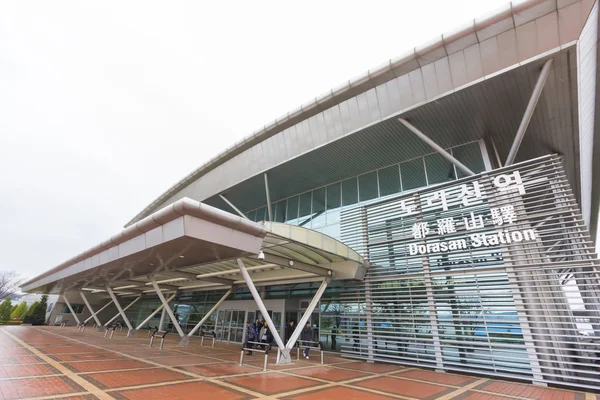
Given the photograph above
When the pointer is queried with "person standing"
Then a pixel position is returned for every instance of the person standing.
(334, 332)
(289, 330)
(306, 336)
(252, 337)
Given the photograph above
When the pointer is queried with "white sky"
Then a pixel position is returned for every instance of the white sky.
(106, 104)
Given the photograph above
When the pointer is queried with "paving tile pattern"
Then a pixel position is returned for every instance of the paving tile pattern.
(61, 363)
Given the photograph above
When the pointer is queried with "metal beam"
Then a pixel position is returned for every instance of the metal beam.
(268, 197)
(114, 299)
(208, 314)
(171, 315)
(144, 322)
(307, 314)
(71, 309)
(100, 310)
(230, 204)
(533, 100)
(125, 309)
(87, 304)
(436, 147)
(300, 266)
(284, 352)
(236, 271)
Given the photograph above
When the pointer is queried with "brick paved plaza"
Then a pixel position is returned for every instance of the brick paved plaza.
(50, 362)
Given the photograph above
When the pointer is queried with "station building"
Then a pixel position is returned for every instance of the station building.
(434, 212)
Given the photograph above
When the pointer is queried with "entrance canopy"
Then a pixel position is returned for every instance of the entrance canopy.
(191, 246)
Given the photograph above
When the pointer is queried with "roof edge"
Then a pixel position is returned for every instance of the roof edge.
(416, 58)
(185, 206)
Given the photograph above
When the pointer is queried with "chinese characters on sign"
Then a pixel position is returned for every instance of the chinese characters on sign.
(469, 195)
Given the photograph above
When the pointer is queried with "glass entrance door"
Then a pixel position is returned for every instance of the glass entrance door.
(230, 325)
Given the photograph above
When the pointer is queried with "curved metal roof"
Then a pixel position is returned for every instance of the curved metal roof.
(513, 14)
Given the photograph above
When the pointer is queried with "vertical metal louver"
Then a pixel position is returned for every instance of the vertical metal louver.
(516, 296)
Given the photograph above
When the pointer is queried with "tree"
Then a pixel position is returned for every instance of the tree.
(39, 313)
(31, 308)
(5, 308)
(20, 311)
(9, 284)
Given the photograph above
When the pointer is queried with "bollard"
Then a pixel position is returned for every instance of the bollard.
(242, 358)
(266, 358)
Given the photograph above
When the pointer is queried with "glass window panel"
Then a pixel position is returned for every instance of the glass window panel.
(292, 208)
(367, 186)
(470, 155)
(334, 196)
(305, 204)
(318, 200)
(389, 180)
(280, 211)
(260, 214)
(439, 169)
(349, 192)
(332, 230)
(333, 216)
(413, 174)
(251, 215)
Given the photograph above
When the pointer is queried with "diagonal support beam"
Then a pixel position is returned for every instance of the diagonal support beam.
(230, 204)
(268, 194)
(184, 339)
(144, 322)
(284, 357)
(436, 147)
(87, 304)
(99, 311)
(71, 309)
(121, 312)
(208, 314)
(306, 316)
(125, 309)
(533, 100)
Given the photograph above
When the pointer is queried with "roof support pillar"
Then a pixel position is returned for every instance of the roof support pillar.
(131, 331)
(125, 309)
(533, 100)
(161, 307)
(230, 204)
(208, 314)
(268, 197)
(87, 304)
(98, 312)
(436, 147)
(307, 314)
(71, 309)
(184, 339)
(284, 353)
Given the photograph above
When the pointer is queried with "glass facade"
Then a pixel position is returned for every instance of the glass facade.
(319, 209)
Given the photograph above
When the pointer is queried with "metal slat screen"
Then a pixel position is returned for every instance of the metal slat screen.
(492, 274)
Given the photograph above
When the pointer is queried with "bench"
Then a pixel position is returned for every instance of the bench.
(301, 345)
(161, 335)
(81, 326)
(266, 350)
(152, 330)
(64, 322)
(113, 328)
(211, 335)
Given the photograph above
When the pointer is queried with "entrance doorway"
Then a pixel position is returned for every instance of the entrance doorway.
(230, 325)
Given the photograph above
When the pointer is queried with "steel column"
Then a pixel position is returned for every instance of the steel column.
(125, 309)
(436, 147)
(268, 197)
(71, 309)
(208, 314)
(161, 307)
(230, 204)
(100, 310)
(306, 315)
(284, 352)
(114, 298)
(184, 339)
(533, 100)
(87, 304)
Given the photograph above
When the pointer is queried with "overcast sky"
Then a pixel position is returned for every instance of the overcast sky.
(106, 104)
